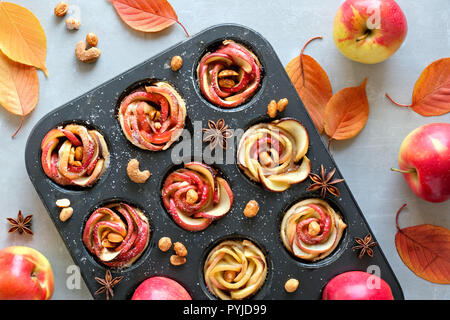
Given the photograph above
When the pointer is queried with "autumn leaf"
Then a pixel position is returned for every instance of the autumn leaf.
(312, 85)
(19, 87)
(346, 113)
(147, 15)
(22, 37)
(431, 95)
(425, 249)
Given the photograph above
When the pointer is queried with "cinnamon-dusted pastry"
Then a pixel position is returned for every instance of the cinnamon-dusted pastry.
(74, 155)
(235, 269)
(117, 234)
(152, 118)
(196, 195)
(311, 229)
(230, 75)
(274, 154)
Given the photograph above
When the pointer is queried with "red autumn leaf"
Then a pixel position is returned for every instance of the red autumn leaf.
(147, 15)
(431, 95)
(346, 113)
(425, 249)
(312, 85)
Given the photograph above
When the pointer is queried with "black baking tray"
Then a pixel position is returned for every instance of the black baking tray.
(97, 109)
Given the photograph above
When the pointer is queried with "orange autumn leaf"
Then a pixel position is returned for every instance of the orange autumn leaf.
(346, 113)
(147, 15)
(312, 85)
(431, 95)
(19, 87)
(425, 249)
(22, 37)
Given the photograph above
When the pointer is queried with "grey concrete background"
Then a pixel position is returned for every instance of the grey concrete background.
(364, 161)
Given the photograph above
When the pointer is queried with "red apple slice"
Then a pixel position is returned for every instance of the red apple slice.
(298, 133)
(320, 247)
(186, 222)
(224, 205)
(208, 173)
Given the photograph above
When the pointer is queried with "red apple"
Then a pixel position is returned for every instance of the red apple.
(369, 31)
(357, 285)
(160, 288)
(25, 274)
(424, 160)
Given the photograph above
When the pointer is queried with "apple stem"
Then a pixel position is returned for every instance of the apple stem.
(187, 34)
(396, 216)
(396, 103)
(301, 55)
(403, 171)
(18, 129)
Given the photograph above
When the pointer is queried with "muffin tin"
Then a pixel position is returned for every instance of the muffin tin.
(97, 109)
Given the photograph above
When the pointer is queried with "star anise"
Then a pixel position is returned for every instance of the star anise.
(21, 224)
(324, 182)
(365, 245)
(107, 284)
(217, 133)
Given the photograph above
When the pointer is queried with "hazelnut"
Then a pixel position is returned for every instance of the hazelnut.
(176, 63)
(177, 260)
(92, 39)
(226, 83)
(73, 24)
(291, 285)
(229, 275)
(180, 249)
(282, 104)
(191, 196)
(61, 9)
(313, 228)
(79, 153)
(164, 244)
(65, 214)
(272, 109)
(63, 203)
(251, 209)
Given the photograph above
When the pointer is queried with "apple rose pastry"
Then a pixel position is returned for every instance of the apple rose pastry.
(311, 229)
(274, 154)
(74, 155)
(229, 76)
(117, 234)
(152, 118)
(195, 196)
(235, 270)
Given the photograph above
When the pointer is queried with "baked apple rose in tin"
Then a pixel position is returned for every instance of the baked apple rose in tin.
(274, 154)
(311, 229)
(235, 270)
(196, 195)
(152, 118)
(230, 75)
(117, 234)
(74, 155)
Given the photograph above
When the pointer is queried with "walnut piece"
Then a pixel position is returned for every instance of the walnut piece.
(180, 249)
(73, 24)
(61, 9)
(177, 260)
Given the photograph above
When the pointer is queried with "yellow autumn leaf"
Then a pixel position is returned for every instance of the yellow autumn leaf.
(19, 86)
(22, 37)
